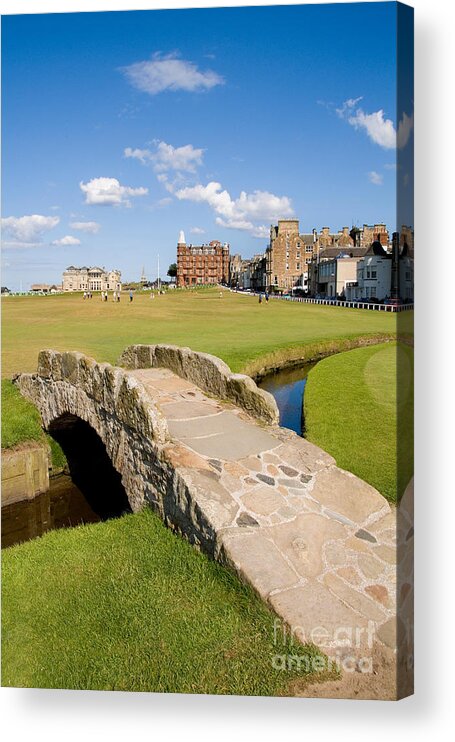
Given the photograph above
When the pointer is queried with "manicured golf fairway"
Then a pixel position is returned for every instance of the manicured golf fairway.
(234, 327)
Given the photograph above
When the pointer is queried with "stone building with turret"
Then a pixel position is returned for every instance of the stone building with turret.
(199, 265)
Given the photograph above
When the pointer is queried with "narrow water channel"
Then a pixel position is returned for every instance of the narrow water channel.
(288, 389)
(93, 491)
(62, 506)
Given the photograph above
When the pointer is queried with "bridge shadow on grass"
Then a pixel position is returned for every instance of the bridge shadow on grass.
(90, 467)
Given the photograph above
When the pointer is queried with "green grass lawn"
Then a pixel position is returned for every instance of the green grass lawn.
(20, 419)
(128, 605)
(21, 422)
(359, 408)
(235, 328)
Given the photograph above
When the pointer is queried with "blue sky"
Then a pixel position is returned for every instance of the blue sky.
(121, 128)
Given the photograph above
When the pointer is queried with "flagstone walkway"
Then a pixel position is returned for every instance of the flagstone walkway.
(317, 543)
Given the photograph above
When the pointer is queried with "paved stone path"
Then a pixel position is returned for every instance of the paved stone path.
(317, 543)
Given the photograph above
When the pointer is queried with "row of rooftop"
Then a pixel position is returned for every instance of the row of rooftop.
(290, 261)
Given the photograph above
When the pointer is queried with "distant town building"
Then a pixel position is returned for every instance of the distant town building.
(288, 256)
(370, 233)
(91, 279)
(202, 264)
(143, 278)
(356, 263)
(344, 250)
(251, 274)
(235, 269)
(330, 276)
(318, 274)
(375, 233)
(386, 273)
(326, 238)
(44, 288)
(374, 275)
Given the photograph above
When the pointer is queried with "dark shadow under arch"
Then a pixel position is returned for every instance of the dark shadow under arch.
(90, 466)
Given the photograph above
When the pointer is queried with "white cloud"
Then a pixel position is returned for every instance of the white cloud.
(347, 106)
(390, 166)
(186, 158)
(380, 129)
(262, 231)
(375, 178)
(235, 223)
(90, 227)
(28, 231)
(67, 240)
(166, 157)
(197, 230)
(219, 200)
(238, 213)
(264, 205)
(109, 192)
(138, 154)
(168, 72)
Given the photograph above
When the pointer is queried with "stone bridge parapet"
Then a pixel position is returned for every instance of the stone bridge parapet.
(208, 372)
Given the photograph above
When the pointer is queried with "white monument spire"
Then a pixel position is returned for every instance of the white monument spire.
(182, 237)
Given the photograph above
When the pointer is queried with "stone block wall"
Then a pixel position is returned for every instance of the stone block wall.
(25, 472)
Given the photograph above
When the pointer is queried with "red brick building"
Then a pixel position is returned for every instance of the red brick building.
(202, 264)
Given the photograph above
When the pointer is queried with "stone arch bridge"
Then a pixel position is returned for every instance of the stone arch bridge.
(202, 446)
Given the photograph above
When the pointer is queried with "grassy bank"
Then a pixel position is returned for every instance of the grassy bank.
(359, 408)
(311, 352)
(128, 605)
(21, 422)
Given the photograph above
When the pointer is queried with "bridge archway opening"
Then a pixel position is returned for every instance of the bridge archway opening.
(90, 466)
